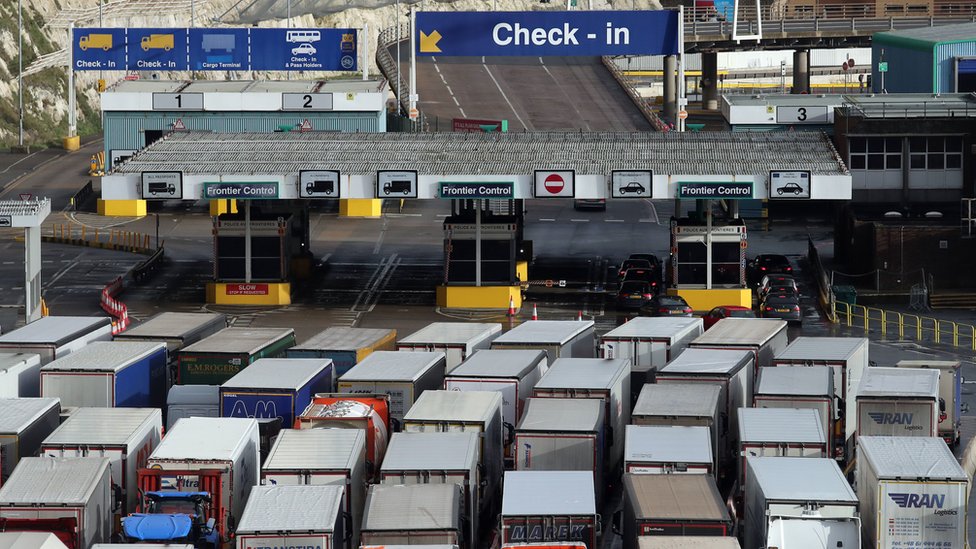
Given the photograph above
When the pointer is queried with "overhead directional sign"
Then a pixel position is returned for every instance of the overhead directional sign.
(547, 33)
(216, 49)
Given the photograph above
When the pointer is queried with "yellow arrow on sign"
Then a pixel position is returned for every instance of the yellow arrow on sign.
(428, 42)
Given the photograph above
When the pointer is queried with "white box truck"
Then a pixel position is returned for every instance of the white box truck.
(898, 402)
(765, 337)
(344, 345)
(512, 373)
(71, 498)
(727, 369)
(126, 436)
(558, 338)
(668, 449)
(687, 542)
(176, 330)
(799, 502)
(782, 432)
(439, 458)
(550, 506)
(912, 492)
(191, 401)
(801, 387)
(682, 404)
(415, 514)
(458, 340)
(54, 337)
(950, 391)
(562, 434)
(649, 343)
(847, 357)
(20, 375)
(605, 379)
(293, 517)
(335, 457)
(24, 424)
(218, 456)
(475, 411)
(402, 375)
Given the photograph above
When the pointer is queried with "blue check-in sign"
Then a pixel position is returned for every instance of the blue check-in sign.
(98, 50)
(303, 49)
(547, 33)
(219, 49)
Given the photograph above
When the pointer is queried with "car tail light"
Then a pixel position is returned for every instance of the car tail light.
(622, 273)
(762, 268)
(653, 283)
(662, 310)
(788, 269)
(648, 296)
(796, 307)
(768, 308)
(687, 309)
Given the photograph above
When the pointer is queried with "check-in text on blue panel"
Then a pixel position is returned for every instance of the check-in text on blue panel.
(547, 34)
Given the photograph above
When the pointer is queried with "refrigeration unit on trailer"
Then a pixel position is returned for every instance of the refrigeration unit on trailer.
(276, 388)
(307, 517)
(54, 337)
(402, 375)
(668, 449)
(950, 391)
(415, 514)
(799, 502)
(24, 424)
(801, 387)
(368, 412)
(765, 337)
(550, 507)
(558, 338)
(605, 379)
(191, 401)
(847, 357)
(321, 457)
(475, 411)
(37, 540)
(687, 542)
(124, 374)
(681, 404)
(779, 432)
(439, 458)
(649, 343)
(126, 436)
(671, 505)
(512, 373)
(913, 493)
(728, 370)
(217, 358)
(176, 330)
(344, 345)
(562, 434)
(71, 498)
(216, 457)
(898, 402)
(20, 375)
(458, 340)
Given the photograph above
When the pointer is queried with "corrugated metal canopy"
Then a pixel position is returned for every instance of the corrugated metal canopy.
(933, 35)
(704, 153)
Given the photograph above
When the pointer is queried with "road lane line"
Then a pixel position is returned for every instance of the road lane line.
(546, 219)
(505, 97)
(580, 220)
(613, 220)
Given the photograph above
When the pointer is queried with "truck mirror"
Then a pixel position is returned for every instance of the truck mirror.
(609, 436)
(942, 405)
(395, 425)
(116, 497)
(210, 525)
(509, 433)
(617, 525)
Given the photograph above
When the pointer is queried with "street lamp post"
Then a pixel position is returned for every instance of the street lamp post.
(20, 72)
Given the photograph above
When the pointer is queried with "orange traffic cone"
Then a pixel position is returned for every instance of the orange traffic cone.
(535, 312)
(579, 315)
(511, 306)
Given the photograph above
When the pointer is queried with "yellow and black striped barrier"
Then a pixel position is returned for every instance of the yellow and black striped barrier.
(105, 239)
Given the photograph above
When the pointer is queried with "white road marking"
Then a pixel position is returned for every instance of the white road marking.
(580, 220)
(546, 219)
(456, 101)
(505, 97)
(613, 220)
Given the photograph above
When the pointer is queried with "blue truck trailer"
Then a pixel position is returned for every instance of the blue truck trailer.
(276, 388)
(124, 374)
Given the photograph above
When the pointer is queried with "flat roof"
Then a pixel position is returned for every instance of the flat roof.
(913, 105)
(964, 32)
(247, 86)
(281, 153)
(799, 100)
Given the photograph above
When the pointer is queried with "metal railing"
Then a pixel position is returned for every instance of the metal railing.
(642, 103)
(780, 11)
(388, 66)
(905, 326)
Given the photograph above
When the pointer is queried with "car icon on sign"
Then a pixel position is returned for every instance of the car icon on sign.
(303, 49)
(632, 187)
(790, 188)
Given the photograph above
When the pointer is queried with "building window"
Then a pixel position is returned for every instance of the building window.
(875, 153)
(936, 153)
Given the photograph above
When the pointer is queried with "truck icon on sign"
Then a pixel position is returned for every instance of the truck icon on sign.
(161, 188)
(211, 42)
(320, 187)
(397, 186)
(103, 41)
(163, 42)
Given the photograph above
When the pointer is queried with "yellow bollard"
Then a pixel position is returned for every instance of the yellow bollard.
(84, 233)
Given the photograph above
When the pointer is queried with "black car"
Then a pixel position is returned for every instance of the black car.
(666, 305)
(781, 306)
(642, 275)
(765, 264)
(590, 204)
(634, 294)
(780, 289)
(632, 264)
(651, 258)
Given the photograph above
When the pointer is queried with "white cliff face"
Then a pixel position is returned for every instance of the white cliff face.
(46, 101)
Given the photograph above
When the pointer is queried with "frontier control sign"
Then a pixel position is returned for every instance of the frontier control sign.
(249, 190)
(709, 190)
(547, 33)
(477, 190)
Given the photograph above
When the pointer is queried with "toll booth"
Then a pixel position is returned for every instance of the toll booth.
(482, 239)
(707, 265)
(273, 246)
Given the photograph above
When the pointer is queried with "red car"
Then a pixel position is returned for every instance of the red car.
(726, 311)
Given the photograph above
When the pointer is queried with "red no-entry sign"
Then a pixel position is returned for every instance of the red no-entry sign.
(555, 183)
(552, 184)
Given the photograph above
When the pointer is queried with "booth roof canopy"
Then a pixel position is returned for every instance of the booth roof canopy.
(705, 153)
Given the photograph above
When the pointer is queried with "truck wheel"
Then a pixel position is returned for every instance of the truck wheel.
(386, 191)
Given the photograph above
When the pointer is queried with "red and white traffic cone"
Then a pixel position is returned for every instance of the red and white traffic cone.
(535, 312)
(511, 306)
(579, 315)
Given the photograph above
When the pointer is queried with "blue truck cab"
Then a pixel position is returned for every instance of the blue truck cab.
(173, 517)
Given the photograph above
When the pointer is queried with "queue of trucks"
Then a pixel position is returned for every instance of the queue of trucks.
(726, 438)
